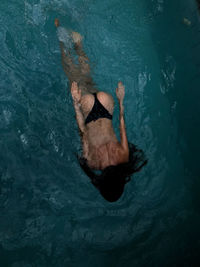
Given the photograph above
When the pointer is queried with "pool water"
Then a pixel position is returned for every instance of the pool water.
(50, 214)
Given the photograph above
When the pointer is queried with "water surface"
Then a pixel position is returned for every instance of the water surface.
(50, 213)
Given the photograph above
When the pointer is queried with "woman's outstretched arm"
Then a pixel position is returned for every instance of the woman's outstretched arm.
(76, 95)
(120, 92)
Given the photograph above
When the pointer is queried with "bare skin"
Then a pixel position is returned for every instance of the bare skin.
(100, 145)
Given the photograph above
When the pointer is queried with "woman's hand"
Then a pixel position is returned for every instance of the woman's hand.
(76, 92)
(120, 92)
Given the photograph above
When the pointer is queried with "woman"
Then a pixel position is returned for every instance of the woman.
(94, 110)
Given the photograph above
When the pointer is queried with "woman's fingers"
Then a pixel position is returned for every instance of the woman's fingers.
(74, 84)
(56, 22)
(75, 91)
(79, 92)
(73, 88)
(120, 92)
(120, 84)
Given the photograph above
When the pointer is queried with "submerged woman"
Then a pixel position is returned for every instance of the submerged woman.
(94, 110)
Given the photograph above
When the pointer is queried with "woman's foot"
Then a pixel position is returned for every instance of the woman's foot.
(77, 38)
(57, 23)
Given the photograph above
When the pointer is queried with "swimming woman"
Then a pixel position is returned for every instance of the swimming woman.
(94, 111)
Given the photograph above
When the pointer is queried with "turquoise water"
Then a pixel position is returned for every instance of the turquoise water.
(50, 213)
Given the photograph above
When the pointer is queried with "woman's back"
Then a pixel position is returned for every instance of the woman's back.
(100, 132)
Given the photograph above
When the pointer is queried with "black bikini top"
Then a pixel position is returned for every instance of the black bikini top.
(98, 111)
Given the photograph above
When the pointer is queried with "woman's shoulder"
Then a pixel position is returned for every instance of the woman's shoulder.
(113, 153)
(118, 152)
(105, 155)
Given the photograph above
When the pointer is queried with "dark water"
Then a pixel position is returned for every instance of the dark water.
(50, 214)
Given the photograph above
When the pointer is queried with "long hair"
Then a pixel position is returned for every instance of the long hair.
(111, 180)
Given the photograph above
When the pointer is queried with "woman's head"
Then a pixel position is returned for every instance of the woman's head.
(111, 182)
(112, 179)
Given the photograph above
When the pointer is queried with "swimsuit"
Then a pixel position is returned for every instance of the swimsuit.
(98, 111)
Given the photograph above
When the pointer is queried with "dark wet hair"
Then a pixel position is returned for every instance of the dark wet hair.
(111, 181)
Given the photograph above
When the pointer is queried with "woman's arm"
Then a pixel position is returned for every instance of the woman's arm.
(76, 95)
(123, 136)
(120, 92)
(79, 117)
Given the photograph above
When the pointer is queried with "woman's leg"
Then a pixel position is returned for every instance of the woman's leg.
(70, 68)
(86, 83)
(79, 73)
(82, 57)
